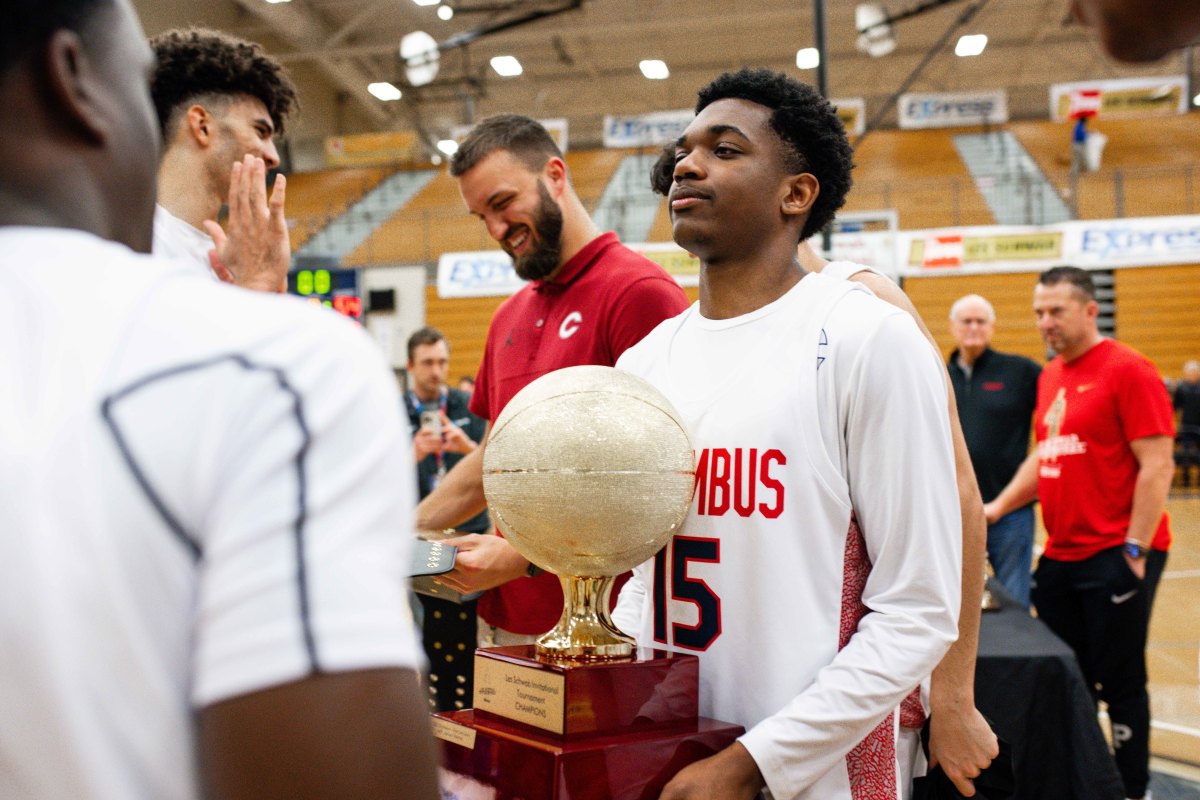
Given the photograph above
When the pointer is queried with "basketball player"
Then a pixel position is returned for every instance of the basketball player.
(960, 739)
(815, 578)
(203, 531)
(221, 102)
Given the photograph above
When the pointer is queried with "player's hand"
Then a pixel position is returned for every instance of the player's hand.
(454, 439)
(729, 775)
(256, 251)
(964, 745)
(425, 443)
(482, 562)
(991, 512)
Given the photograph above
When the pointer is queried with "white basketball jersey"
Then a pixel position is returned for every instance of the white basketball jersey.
(818, 574)
(206, 492)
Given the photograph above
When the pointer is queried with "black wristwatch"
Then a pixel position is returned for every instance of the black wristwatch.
(1133, 549)
(533, 570)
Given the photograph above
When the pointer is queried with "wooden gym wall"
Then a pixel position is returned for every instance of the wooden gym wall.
(1157, 311)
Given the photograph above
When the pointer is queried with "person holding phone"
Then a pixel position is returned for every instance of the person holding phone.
(444, 431)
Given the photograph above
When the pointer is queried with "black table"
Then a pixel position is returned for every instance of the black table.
(1028, 683)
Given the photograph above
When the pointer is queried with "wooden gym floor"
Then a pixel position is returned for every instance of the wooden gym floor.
(1173, 652)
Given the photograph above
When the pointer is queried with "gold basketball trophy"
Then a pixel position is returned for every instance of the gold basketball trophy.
(588, 472)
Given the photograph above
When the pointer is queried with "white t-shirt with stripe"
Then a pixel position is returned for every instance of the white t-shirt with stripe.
(206, 492)
(818, 574)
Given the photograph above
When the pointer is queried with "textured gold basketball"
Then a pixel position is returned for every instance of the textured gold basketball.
(588, 471)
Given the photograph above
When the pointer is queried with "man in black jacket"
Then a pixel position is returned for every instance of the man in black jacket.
(996, 395)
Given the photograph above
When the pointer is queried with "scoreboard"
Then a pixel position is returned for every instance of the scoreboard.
(333, 288)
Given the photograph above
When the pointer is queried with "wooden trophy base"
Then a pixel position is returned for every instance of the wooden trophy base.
(544, 729)
(486, 759)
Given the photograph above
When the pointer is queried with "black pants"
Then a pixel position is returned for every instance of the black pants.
(1101, 609)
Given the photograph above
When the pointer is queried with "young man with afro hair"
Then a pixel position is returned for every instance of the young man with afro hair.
(815, 578)
(221, 102)
(961, 741)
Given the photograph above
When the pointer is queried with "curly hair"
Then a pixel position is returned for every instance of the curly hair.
(194, 63)
(807, 124)
(523, 137)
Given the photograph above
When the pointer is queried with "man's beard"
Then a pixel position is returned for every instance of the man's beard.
(546, 247)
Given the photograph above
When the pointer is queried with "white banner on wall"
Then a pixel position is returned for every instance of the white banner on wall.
(1091, 244)
(1134, 242)
(1121, 97)
(646, 130)
(952, 110)
(488, 273)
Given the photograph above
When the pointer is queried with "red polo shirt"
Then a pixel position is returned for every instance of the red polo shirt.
(603, 301)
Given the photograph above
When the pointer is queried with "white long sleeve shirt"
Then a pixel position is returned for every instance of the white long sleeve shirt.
(818, 575)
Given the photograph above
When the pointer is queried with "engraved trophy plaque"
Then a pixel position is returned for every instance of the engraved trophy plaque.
(588, 472)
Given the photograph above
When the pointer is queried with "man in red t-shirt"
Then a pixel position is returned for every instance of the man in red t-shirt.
(1102, 469)
(589, 298)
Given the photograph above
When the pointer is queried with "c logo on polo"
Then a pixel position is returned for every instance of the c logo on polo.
(570, 324)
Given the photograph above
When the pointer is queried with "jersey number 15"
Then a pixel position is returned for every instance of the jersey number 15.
(671, 568)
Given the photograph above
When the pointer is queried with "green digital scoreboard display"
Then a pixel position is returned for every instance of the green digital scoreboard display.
(332, 288)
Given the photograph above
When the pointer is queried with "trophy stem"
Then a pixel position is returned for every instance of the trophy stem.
(585, 632)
